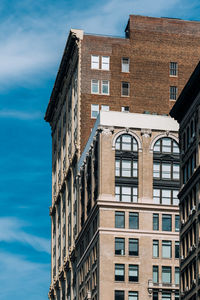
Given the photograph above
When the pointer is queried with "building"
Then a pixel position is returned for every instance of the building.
(186, 112)
(141, 73)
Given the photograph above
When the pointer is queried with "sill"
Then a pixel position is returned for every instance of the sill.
(125, 72)
(95, 93)
(104, 94)
(124, 96)
(172, 100)
(173, 76)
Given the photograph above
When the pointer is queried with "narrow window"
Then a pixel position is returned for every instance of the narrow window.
(133, 274)
(166, 296)
(95, 86)
(119, 246)
(125, 89)
(133, 247)
(94, 62)
(166, 274)
(166, 223)
(176, 249)
(176, 275)
(132, 295)
(177, 218)
(105, 63)
(133, 221)
(105, 87)
(119, 272)
(125, 64)
(105, 108)
(173, 69)
(166, 249)
(155, 248)
(119, 295)
(173, 92)
(155, 274)
(155, 222)
(119, 219)
(94, 111)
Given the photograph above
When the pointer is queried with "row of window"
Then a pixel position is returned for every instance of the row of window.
(134, 221)
(103, 63)
(133, 248)
(166, 170)
(96, 107)
(165, 196)
(133, 272)
(120, 295)
(166, 274)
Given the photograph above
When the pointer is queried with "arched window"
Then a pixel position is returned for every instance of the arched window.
(126, 168)
(166, 171)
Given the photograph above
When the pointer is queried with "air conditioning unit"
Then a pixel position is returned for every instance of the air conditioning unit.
(182, 257)
(182, 222)
(187, 289)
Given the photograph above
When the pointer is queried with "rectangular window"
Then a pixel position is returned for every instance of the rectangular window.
(105, 63)
(166, 274)
(166, 223)
(155, 222)
(176, 249)
(166, 249)
(173, 69)
(156, 196)
(119, 295)
(94, 86)
(166, 197)
(155, 295)
(166, 296)
(176, 172)
(133, 220)
(176, 296)
(133, 247)
(177, 218)
(94, 111)
(125, 108)
(125, 193)
(176, 275)
(155, 274)
(175, 197)
(166, 171)
(132, 295)
(105, 108)
(119, 219)
(173, 92)
(125, 89)
(126, 168)
(119, 246)
(156, 170)
(105, 87)
(125, 64)
(133, 273)
(119, 272)
(155, 248)
(94, 62)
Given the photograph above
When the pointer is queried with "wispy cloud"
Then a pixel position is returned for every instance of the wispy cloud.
(21, 115)
(12, 230)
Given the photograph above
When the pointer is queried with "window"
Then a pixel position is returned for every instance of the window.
(133, 221)
(176, 275)
(166, 274)
(119, 219)
(126, 167)
(95, 86)
(166, 145)
(125, 89)
(126, 142)
(166, 249)
(126, 193)
(176, 249)
(125, 64)
(155, 295)
(132, 295)
(119, 246)
(166, 296)
(155, 222)
(155, 274)
(105, 87)
(176, 296)
(177, 218)
(166, 223)
(105, 108)
(94, 62)
(155, 248)
(119, 272)
(173, 69)
(133, 247)
(105, 62)
(165, 196)
(166, 170)
(125, 109)
(119, 295)
(94, 111)
(173, 92)
(133, 273)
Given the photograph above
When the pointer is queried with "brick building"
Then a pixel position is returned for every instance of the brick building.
(140, 73)
(187, 111)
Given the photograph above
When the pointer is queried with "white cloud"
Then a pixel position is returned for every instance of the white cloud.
(20, 115)
(12, 230)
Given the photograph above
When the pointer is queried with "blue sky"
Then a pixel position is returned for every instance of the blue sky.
(33, 34)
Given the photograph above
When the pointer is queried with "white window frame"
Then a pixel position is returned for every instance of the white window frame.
(103, 82)
(95, 64)
(94, 110)
(92, 84)
(125, 82)
(105, 107)
(105, 63)
(124, 65)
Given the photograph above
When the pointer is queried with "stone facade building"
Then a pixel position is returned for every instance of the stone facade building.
(141, 73)
(187, 112)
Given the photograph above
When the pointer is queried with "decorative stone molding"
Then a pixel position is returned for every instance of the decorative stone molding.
(146, 133)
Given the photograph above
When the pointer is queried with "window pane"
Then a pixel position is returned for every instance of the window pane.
(132, 295)
(133, 221)
(155, 274)
(133, 273)
(117, 193)
(135, 168)
(166, 222)
(176, 171)
(95, 62)
(166, 274)
(125, 64)
(156, 196)
(173, 68)
(176, 275)
(155, 248)
(156, 170)
(126, 194)
(166, 171)
(166, 145)
(117, 144)
(126, 168)
(105, 108)
(95, 86)
(177, 249)
(133, 247)
(166, 197)
(105, 61)
(175, 147)
(94, 110)
(173, 92)
(117, 167)
(155, 222)
(105, 87)
(119, 219)
(119, 272)
(157, 146)
(175, 198)
(125, 88)
(119, 246)
(166, 249)
(166, 296)
(177, 223)
(126, 142)
(119, 295)
(135, 194)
